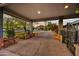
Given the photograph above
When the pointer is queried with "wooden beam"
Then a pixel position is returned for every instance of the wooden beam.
(45, 19)
(71, 16)
(58, 17)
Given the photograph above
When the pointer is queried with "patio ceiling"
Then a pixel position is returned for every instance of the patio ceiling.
(46, 10)
(2, 4)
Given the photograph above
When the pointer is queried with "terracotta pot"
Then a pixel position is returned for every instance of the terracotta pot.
(11, 42)
(15, 41)
(28, 36)
(6, 43)
(33, 34)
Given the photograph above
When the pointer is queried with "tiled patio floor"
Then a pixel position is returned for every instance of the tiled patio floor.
(42, 45)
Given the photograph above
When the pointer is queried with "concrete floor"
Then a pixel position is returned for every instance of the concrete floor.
(41, 45)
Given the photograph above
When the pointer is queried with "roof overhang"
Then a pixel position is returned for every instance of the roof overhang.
(14, 12)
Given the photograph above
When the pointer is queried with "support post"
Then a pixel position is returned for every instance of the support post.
(31, 26)
(60, 25)
(1, 23)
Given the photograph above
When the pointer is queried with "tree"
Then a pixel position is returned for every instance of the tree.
(49, 26)
(52, 27)
(55, 28)
(41, 27)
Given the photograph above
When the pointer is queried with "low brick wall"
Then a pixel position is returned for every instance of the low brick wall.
(6, 42)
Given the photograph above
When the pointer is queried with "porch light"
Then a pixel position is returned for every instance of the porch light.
(66, 6)
(38, 12)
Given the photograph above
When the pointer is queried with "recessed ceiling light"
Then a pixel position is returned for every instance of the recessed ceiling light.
(66, 6)
(38, 12)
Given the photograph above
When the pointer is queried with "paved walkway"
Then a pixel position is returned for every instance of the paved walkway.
(41, 45)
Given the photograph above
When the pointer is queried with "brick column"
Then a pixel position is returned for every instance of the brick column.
(60, 25)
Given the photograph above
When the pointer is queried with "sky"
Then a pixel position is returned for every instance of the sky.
(65, 21)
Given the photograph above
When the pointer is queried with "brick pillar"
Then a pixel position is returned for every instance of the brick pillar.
(60, 25)
(31, 26)
(1, 22)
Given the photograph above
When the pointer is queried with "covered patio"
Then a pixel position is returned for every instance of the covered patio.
(39, 43)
